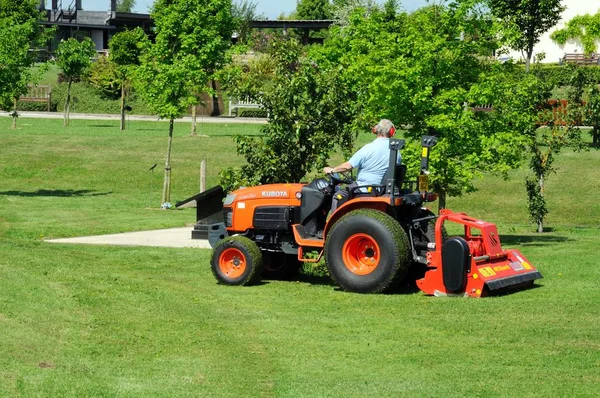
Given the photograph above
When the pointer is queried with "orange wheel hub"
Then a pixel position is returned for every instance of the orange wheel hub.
(361, 254)
(232, 263)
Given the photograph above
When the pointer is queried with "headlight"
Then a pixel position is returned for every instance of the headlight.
(229, 199)
(228, 216)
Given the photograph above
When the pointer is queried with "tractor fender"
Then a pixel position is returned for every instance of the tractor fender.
(367, 202)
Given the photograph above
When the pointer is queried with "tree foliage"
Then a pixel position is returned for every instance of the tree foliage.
(192, 37)
(524, 22)
(584, 28)
(310, 113)
(19, 32)
(191, 40)
(243, 13)
(73, 57)
(125, 5)
(425, 70)
(126, 49)
(313, 9)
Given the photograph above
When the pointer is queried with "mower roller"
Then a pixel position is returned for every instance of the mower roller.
(370, 242)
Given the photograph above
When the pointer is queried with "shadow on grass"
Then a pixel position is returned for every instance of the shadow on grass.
(103, 125)
(319, 280)
(62, 193)
(532, 240)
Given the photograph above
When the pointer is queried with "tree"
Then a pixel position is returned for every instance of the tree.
(125, 5)
(74, 58)
(243, 12)
(584, 28)
(524, 21)
(313, 9)
(423, 71)
(192, 37)
(310, 114)
(592, 109)
(19, 31)
(125, 52)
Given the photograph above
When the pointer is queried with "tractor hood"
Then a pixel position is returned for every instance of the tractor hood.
(272, 194)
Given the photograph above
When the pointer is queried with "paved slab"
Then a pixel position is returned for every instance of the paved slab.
(173, 237)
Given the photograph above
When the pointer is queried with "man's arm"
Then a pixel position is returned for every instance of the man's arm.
(342, 168)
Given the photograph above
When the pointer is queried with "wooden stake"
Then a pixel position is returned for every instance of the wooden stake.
(203, 175)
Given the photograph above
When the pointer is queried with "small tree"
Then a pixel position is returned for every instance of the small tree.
(192, 37)
(584, 28)
(74, 58)
(243, 13)
(524, 22)
(592, 113)
(19, 31)
(125, 52)
(125, 5)
(310, 113)
(545, 145)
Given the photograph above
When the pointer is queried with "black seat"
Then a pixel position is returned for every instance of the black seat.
(397, 175)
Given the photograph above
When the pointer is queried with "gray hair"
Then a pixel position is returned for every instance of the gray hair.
(384, 127)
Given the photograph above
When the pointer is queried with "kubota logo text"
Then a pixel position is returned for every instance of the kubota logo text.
(274, 194)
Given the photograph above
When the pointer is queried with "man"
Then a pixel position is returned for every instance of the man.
(372, 160)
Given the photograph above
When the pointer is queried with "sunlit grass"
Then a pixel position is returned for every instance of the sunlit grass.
(128, 321)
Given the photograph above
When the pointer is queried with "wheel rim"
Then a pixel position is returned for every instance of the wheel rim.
(232, 263)
(361, 254)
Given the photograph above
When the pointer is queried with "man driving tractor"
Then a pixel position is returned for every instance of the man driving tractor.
(372, 160)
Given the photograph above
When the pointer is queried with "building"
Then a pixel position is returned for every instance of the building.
(71, 20)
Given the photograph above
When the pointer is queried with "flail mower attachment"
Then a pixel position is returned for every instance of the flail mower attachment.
(474, 264)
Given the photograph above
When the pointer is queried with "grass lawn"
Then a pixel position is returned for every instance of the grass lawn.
(78, 320)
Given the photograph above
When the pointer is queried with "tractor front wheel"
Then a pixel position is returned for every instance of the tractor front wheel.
(367, 251)
(236, 260)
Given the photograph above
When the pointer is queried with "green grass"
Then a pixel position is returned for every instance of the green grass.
(79, 320)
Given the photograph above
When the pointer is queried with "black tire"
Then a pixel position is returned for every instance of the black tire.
(383, 265)
(236, 261)
(426, 233)
(280, 266)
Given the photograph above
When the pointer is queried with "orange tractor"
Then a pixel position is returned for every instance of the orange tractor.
(371, 241)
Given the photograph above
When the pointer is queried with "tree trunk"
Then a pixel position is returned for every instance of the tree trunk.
(540, 221)
(14, 115)
(441, 200)
(122, 105)
(595, 134)
(166, 196)
(194, 126)
(67, 104)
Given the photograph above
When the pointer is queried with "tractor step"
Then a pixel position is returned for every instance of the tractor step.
(304, 238)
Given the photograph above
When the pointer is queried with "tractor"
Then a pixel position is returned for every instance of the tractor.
(370, 242)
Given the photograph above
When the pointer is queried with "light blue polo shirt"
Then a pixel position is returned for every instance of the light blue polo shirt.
(372, 161)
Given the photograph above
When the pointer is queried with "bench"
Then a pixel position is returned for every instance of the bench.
(40, 93)
(579, 58)
(243, 103)
(482, 108)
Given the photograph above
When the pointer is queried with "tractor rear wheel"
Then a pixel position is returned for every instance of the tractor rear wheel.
(236, 260)
(280, 266)
(367, 251)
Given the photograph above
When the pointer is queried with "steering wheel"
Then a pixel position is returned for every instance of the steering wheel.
(340, 178)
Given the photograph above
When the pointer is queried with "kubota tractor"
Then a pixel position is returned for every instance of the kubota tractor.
(376, 234)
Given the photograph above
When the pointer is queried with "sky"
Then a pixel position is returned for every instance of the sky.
(270, 8)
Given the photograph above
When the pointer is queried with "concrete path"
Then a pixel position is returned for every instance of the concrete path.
(188, 119)
(173, 237)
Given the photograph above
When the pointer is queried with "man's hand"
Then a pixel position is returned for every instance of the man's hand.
(327, 170)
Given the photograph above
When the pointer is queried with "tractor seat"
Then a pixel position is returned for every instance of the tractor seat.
(376, 190)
